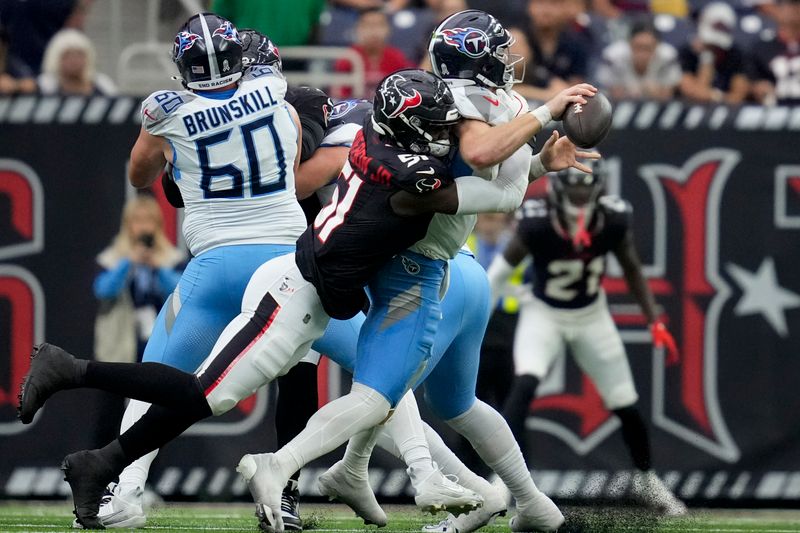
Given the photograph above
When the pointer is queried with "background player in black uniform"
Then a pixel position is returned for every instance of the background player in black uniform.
(568, 234)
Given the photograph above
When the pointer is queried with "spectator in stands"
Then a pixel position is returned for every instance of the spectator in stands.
(287, 22)
(775, 63)
(641, 67)
(138, 271)
(537, 83)
(390, 6)
(15, 77)
(555, 49)
(30, 24)
(713, 66)
(69, 67)
(380, 59)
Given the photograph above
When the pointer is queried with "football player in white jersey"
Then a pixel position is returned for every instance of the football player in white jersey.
(481, 61)
(232, 142)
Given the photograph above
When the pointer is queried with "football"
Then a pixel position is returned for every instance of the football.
(587, 125)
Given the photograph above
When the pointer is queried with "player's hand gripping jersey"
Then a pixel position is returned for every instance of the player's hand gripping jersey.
(357, 232)
(565, 276)
(234, 161)
(448, 233)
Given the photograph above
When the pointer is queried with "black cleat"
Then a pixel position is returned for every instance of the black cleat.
(290, 507)
(52, 369)
(88, 474)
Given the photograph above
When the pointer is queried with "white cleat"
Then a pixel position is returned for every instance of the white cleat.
(438, 492)
(337, 484)
(263, 479)
(648, 489)
(494, 505)
(540, 514)
(120, 510)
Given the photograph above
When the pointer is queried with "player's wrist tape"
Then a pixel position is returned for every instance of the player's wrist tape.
(543, 115)
(537, 167)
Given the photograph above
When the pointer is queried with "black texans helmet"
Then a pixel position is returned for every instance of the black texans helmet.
(208, 52)
(258, 49)
(573, 191)
(417, 110)
(473, 45)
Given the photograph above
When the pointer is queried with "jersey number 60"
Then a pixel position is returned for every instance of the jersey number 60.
(236, 190)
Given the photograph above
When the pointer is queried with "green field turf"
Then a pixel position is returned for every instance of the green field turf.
(40, 517)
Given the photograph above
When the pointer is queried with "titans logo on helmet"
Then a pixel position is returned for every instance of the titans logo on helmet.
(471, 42)
(342, 108)
(183, 41)
(227, 32)
(395, 101)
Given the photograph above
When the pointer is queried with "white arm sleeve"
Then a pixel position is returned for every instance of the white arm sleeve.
(503, 194)
(498, 273)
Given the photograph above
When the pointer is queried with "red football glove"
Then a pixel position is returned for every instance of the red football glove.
(662, 338)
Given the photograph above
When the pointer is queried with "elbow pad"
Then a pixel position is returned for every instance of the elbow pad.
(171, 190)
(313, 133)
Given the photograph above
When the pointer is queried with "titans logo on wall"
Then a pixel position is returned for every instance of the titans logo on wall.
(471, 42)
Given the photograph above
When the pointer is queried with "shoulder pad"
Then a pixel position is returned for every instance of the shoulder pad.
(159, 105)
(341, 135)
(479, 103)
(262, 75)
(533, 208)
(419, 174)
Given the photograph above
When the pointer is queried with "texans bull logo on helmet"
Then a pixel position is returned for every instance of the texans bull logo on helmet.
(395, 100)
(227, 32)
(184, 41)
(469, 41)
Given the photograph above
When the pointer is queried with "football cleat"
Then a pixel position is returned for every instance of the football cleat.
(52, 369)
(120, 510)
(494, 505)
(88, 474)
(540, 514)
(354, 491)
(260, 472)
(290, 507)
(648, 489)
(438, 492)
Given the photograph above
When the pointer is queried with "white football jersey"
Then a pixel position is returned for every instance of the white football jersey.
(448, 233)
(234, 161)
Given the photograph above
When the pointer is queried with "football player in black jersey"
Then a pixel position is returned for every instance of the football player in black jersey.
(568, 235)
(395, 180)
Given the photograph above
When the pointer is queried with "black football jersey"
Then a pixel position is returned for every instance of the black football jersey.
(779, 62)
(345, 120)
(563, 276)
(356, 233)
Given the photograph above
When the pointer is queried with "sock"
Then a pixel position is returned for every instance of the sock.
(297, 402)
(148, 382)
(359, 450)
(406, 430)
(451, 464)
(135, 474)
(360, 409)
(158, 426)
(634, 433)
(491, 437)
(518, 404)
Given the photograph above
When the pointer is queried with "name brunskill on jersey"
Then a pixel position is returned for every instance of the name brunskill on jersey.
(248, 103)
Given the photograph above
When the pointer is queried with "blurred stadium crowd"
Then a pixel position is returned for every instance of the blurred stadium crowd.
(698, 50)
